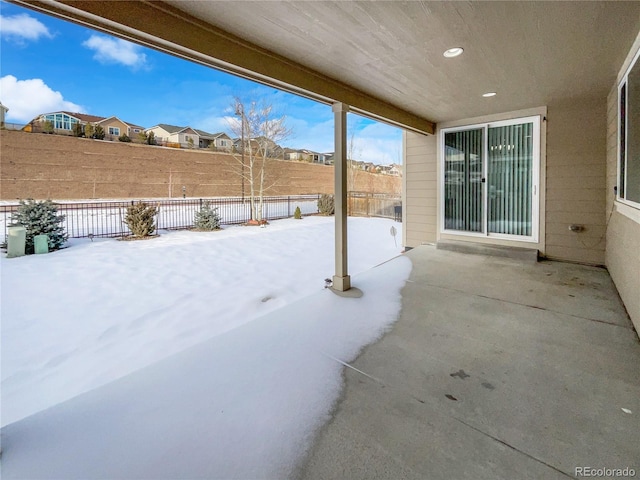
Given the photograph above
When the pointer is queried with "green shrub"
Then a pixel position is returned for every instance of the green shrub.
(140, 219)
(40, 218)
(297, 214)
(151, 138)
(124, 138)
(207, 218)
(78, 130)
(47, 126)
(326, 204)
(89, 130)
(98, 132)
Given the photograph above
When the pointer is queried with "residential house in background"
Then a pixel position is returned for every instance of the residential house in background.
(174, 136)
(3, 111)
(205, 139)
(223, 141)
(237, 145)
(62, 122)
(217, 141)
(328, 158)
(393, 170)
(114, 128)
(304, 155)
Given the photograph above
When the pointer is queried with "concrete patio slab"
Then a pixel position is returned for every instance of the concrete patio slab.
(496, 369)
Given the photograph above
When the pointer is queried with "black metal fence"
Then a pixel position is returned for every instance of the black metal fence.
(106, 219)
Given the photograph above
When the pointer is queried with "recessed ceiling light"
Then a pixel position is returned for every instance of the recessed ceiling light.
(453, 52)
(489, 94)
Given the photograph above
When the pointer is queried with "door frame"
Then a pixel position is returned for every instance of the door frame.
(535, 187)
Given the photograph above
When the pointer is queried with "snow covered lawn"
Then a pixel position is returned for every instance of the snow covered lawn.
(100, 311)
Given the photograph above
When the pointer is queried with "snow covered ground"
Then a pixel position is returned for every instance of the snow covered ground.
(242, 347)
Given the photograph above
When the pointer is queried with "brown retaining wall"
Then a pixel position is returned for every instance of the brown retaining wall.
(37, 165)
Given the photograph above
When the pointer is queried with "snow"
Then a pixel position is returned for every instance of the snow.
(192, 355)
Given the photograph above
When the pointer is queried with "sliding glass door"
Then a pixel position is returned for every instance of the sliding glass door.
(463, 172)
(491, 178)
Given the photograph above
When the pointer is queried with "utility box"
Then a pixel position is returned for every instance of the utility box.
(16, 241)
(41, 243)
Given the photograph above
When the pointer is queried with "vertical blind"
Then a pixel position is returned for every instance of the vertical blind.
(463, 201)
(509, 170)
(509, 179)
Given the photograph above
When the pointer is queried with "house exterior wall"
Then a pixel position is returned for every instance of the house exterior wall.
(159, 133)
(576, 170)
(183, 139)
(224, 143)
(623, 232)
(572, 182)
(114, 123)
(419, 212)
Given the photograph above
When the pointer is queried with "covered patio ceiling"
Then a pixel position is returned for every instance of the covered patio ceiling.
(385, 59)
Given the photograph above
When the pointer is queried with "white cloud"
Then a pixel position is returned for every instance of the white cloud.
(217, 124)
(379, 143)
(23, 27)
(115, 50)
(373, 142)
(315, 136)
(26, 99)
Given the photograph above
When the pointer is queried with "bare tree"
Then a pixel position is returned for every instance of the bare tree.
(353, 170)
(259, 131)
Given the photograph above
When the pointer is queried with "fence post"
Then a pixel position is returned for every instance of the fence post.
(288, 206)
(200, 204)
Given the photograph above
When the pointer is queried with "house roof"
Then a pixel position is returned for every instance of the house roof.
(176, 129)
(221, 134)
(207, 135)
(386, 60)
(170, 128)
(81, 116)
(130, 125)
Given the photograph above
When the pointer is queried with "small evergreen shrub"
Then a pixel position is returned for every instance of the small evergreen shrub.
(98, 132)
(89, 130)
(151, 138)
(297, 214)
(140, 219)
(124, 138)
(326, 204)
(40, 218)
(77, 130)
(207, 218)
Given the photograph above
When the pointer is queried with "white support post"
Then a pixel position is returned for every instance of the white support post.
(341, 280)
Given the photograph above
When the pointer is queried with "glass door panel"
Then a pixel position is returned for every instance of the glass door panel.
(509, 179)
(463, 192)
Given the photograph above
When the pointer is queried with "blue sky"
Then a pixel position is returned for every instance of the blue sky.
(48, 65)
